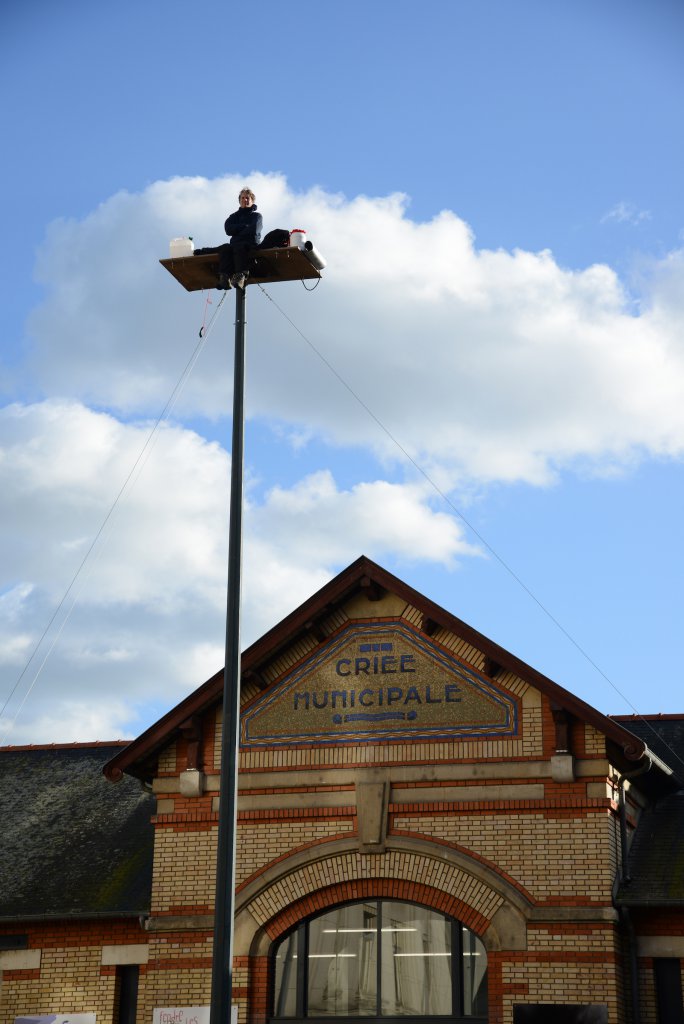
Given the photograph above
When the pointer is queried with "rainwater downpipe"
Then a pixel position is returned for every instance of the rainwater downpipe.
(625, 879)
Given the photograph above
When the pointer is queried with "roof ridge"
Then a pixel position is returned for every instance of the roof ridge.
(66, 746)
(653, 717)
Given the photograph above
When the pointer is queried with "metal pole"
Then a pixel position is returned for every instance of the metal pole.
(224, 913)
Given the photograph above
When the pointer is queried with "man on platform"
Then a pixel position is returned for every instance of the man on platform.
(244, 227)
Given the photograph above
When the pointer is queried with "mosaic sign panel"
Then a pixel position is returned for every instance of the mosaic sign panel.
(379, 682)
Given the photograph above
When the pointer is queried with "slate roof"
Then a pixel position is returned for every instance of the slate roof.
(663, 734)
(656, 855)
(73, 845)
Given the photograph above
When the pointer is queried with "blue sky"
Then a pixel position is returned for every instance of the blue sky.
(497, 188)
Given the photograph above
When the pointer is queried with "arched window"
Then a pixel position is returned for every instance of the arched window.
(377, 959)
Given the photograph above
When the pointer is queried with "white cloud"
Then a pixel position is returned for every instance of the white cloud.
(314, 517)
(149, 619)
(626, 213)
(485, 365)
(296, 537)
(73, 721)
(62, 467)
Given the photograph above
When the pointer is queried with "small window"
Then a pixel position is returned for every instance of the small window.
(380, 959)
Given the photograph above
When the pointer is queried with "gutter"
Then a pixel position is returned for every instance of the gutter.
(102, 915)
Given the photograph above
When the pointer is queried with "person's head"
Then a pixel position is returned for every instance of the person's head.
(246, 198)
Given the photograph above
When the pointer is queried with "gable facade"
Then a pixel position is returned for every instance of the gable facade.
(397, 767)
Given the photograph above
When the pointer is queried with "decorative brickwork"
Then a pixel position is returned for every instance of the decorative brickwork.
(340, 877)
(272, 839)
(376, 888)
(463, 650)
(292, 657)
(382, 754)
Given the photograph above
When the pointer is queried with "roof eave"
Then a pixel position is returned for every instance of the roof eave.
(79, 915)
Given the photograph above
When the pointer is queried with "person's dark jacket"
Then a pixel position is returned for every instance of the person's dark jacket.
(244, 226)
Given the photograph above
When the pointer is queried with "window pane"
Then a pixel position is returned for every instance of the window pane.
(343, 962)
(416, 961)
(285, 1002)
(474, 975)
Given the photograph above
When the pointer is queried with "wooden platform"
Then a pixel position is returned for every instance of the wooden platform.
(268, 265)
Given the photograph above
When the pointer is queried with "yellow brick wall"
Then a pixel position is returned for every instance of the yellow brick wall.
(550, 857)
(561, 982)
(531, 725)
(69, 982)
(595, 742)
(178, 973)
(185, 862)
(167, 759)
(570, 940)
(184, 868)
(259, 844)
(648, 1006)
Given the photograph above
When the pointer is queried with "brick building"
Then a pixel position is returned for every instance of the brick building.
(427, 828)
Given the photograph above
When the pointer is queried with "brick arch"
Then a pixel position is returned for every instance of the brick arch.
(332, 895)
(375, 888)
(418, 871)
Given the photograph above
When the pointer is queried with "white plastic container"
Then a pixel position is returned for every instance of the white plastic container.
(181, 247)
(298, 237)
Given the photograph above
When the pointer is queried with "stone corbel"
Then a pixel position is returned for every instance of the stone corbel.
(372, 800)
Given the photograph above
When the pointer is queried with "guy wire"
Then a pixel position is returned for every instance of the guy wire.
(138, 465)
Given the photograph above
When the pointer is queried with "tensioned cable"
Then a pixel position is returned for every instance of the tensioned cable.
(470, 526)
(137, 467)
